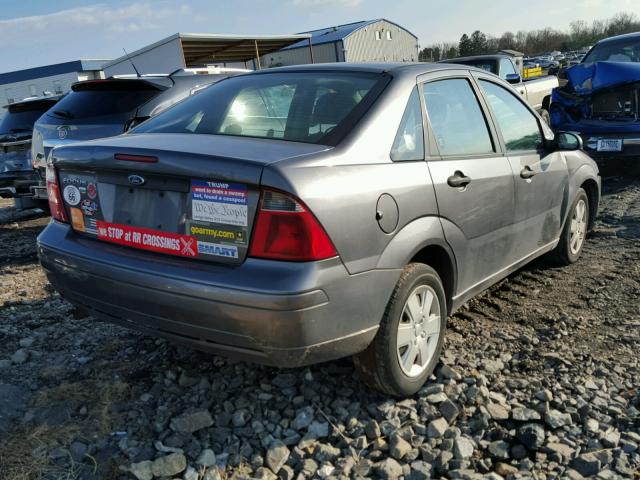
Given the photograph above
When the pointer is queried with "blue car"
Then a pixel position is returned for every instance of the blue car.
(600, 100)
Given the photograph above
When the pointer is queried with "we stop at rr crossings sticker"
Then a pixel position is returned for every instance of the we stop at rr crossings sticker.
(148, 239)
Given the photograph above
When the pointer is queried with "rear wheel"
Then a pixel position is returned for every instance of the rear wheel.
(407, 347)
(575, 231)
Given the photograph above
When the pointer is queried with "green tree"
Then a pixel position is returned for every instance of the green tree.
(478, 43)
(452, 52)
(465, 47)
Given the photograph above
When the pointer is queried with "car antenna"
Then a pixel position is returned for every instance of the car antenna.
(132, 64)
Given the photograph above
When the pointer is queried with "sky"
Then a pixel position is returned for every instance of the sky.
(42, 32)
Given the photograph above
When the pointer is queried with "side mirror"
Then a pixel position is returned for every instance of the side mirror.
(513, 78)
(568, 141)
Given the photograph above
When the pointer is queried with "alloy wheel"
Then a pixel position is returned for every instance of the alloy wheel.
(418, 331)
(578, 227)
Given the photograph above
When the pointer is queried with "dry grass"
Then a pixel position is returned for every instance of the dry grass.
(25, 455)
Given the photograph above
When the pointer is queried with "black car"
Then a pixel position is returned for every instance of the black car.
(108, 107)
(16, 128)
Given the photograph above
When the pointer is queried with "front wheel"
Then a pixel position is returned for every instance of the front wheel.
(407, 347)
(574, 232)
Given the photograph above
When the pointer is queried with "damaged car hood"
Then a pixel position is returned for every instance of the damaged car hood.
(587, 78)
(598, 97)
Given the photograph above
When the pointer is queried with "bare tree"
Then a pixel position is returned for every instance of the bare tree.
(580, 34)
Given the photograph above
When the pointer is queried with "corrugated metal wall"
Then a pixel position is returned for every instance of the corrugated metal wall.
(19, 90)
(164, 58)
(323, 53)
(364, 46)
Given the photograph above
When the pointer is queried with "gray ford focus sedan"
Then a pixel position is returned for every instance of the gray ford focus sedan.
(303, 214)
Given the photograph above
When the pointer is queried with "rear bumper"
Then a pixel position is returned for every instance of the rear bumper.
(17, 183)
(39, 187)
(278, 313)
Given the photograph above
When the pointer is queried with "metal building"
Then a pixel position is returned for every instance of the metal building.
(377, 40)
(49, 79)
(193, 50)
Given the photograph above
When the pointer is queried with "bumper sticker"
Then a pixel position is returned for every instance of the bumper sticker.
(71, 195)
(217, 233)
(219, 202)
(77, 219)
(217, 249)
(81, 191)
(89, 207)
(92, 191)
(148, 239)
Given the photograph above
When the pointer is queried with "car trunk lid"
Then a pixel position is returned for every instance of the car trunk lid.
(194, 196)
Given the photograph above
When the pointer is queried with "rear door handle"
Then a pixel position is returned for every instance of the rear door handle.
(526, 172)
(458, 179)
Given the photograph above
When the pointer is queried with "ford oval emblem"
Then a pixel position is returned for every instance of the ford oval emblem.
(136, 180)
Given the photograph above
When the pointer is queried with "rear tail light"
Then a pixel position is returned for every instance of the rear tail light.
(286, 230)
(55, 197)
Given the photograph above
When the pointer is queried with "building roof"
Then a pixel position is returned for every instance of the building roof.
(200, 49)
(50, 70)
(339, 32)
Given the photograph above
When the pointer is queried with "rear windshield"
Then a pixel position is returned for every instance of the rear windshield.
(109, 98)
(487, 65)
(619, 51)
(21, 117)
(301, 107)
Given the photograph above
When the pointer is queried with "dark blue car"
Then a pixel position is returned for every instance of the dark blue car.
(601, 98)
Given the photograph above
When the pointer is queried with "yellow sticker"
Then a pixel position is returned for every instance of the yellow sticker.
(77, 219)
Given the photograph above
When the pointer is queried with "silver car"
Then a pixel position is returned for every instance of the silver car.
(302, 214)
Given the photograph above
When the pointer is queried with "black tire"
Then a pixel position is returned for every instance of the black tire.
(379, 366)
(545, 116)
(563, 253)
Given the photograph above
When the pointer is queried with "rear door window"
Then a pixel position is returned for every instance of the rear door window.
(519, 127)
(456, 118)
(409, 141)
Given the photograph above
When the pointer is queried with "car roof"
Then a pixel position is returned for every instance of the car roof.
(395, 68)
(625, 36)
(495, 56)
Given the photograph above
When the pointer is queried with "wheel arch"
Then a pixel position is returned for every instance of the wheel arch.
(582, 173)
(590, 186)
(438, 258)
(422, 240)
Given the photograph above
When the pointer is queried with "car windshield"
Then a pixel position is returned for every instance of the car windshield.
(627, 50)
(306, 107)
(21, 117)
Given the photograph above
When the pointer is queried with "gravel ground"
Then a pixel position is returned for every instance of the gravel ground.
(540, 380)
